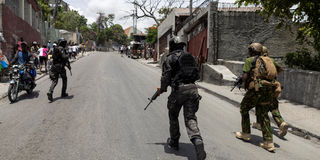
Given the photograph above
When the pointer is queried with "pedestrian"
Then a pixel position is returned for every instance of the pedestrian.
(49, 45)
(4, 63)
(60, 61)
(283, 126)
(43, 57)
(180, 71)
(259, 75)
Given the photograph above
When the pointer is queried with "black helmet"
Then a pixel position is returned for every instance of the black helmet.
(176, 43)
(62, 42)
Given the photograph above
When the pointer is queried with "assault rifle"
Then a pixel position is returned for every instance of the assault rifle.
(154, 97)
(237, 83)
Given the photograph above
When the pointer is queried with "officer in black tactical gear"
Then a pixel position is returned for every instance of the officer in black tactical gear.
(60, 61)
(180, 71)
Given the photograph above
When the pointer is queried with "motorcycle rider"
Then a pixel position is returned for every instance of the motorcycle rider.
(180, 71)
(60, 61)
(23, 57)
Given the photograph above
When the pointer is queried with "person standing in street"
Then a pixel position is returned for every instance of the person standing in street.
(283, 126)
(43, 57)
(259, 77)
(60, 61)
(180, 71)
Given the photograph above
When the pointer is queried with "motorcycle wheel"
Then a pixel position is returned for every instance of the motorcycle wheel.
(12, 93)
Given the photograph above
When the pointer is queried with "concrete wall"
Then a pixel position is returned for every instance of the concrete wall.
(301, 86)
(237, 29)
(15, 27)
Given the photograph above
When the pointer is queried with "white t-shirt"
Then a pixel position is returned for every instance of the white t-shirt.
(40, 52)
(74, 48)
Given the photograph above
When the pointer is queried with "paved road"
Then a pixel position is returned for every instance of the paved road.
(103, 119)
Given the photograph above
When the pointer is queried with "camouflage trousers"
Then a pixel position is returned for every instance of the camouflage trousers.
(274, 109)
(187, 97)
(262, 101)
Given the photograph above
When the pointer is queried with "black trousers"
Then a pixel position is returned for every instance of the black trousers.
(185, 96)
(56, 72)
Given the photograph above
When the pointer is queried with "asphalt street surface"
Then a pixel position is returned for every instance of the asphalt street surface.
(103, 119)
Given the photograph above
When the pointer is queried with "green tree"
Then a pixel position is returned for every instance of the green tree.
(70, 20)
(152, 34)
(45, 9)
(117, 34)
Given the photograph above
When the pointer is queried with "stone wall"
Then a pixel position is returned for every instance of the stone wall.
(237, 29)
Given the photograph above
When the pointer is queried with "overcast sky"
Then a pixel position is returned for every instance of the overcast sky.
(90, 8)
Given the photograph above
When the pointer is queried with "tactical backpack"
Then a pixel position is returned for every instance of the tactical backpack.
(264, 72)
(188, 69)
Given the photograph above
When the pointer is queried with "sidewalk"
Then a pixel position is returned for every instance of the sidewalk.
(4, 85)
(303, 120)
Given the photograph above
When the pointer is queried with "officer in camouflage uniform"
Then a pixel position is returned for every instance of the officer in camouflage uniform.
(260, 99)
(180, 71)
(274, 108)
(60, 60)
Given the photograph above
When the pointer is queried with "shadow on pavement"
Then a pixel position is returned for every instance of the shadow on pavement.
(185, 150)
(23, 96)
(57, 98)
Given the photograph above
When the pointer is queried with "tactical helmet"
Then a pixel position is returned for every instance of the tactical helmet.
(62, 42)
(176, 42)
(264, 50)
(255, 48)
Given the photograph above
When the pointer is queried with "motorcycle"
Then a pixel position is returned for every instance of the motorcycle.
(20, 79)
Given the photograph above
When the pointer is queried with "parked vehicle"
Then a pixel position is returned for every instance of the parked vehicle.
(20, 79)
(136, 49)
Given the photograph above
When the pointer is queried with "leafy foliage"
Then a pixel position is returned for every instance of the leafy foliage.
(117, 34)
(303, 59)
(152, 34)
(45, 8)
(70, 20)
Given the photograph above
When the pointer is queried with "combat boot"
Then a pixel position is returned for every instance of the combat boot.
(243, 136)
(64, 95)
(268, 145)
(283, 129)
(50, 98)
(256, 125)
(199, 147)
(174, 144)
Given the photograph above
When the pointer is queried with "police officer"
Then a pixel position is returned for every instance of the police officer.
(257, 95)
(60, 61)
(180, 71)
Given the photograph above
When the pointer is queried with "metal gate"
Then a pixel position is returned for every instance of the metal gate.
(197, 46)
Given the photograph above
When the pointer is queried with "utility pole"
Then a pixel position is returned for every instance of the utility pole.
(190, 7)
(135, 14)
